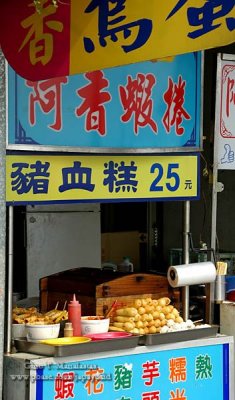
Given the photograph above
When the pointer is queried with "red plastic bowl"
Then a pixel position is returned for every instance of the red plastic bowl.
(109, 335)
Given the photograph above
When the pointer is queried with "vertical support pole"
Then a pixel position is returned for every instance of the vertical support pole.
(10, 279)
(2, 208)
(214, 206)
(210, 288)
(210, 295)
(185, 289)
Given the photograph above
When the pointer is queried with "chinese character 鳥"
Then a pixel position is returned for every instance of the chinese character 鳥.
(76, 177)
(203, 367)
(40, 40)
(64, 386)
(204, 17)
(48, 95)
(174, 98)
(123, 376)
(37, 179)
(94, 98)
(230, 97)
(93, 383)
(150, 371)
(177, 367)
(178, 394)
(109, 15)
(136, 100)
(151, 395)
(120, 177)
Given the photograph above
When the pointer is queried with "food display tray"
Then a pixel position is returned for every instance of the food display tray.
(178, 336)
(22, 345)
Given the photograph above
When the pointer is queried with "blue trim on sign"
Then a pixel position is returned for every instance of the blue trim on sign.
(192, 140)
(25, 203)
(39, 383)
(226, 371)
(198, 176)
(21, 137)
(20, 133)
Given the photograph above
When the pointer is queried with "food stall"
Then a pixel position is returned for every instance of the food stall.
(174, 364)
(146, 336)
(151, 355)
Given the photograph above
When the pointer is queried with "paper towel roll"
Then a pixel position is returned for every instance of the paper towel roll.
(191, 274)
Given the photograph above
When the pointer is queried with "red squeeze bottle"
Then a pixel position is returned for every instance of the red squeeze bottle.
(74, 314)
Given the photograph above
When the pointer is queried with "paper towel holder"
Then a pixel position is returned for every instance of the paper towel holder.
(202, 277)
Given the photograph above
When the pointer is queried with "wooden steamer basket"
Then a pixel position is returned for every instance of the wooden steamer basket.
(97, 289)
(133, 286)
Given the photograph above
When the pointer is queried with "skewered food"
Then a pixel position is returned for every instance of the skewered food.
(31, 316)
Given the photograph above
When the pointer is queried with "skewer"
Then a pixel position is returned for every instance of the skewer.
(65, 303)
(111, 309)
(199, 320)
(56, 305)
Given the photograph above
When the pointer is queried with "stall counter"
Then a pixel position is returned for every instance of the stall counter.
(175, 371)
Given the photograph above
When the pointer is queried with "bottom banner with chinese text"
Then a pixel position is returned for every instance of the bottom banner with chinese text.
(72, 178)
(180, 374)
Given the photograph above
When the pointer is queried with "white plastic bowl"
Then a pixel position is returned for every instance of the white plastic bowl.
(39, 332)
(89, 326)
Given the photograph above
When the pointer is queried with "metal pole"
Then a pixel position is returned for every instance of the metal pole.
(2, 208)
(214, 208)
(185, 289)
(215, 159)
(210, 289)
(10, 279)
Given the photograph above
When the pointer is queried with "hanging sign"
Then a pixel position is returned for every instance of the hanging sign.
(177, 374)
(72, 178)
(225, 114)
(50, 38)
(146, 106)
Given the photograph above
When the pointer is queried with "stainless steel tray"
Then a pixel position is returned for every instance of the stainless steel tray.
(22, 345)
(178, 336)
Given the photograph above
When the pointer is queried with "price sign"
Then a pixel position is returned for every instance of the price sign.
(74, 178)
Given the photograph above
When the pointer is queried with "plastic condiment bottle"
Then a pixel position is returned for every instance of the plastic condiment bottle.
(74, 314)
(68, 329)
